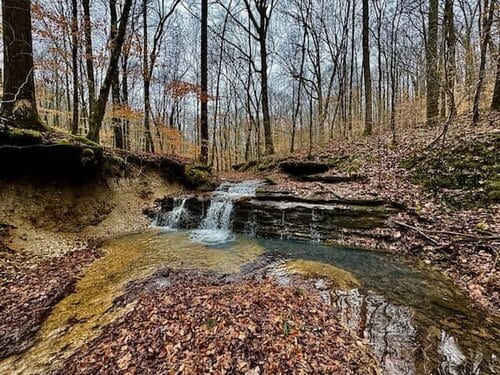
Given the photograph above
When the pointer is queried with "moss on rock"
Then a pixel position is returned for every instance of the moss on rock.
(341, 279)
(464, 174)
(198, 177)
(19, 137)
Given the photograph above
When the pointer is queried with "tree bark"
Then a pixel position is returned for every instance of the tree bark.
(486, 35)
(115, 85)
(264, 10)
(74, 62)
(432, 78)
(204, 83)
(149, 146)
(19, 102)
(450, 64)
(97, 115)
(89, 56)
(367, 71)
(495, 102)
(266, 116)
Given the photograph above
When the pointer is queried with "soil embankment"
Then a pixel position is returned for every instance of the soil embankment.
(59, 198)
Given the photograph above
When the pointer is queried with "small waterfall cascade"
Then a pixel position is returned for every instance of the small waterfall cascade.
(216, 226)
(171, 220)
(315, 234)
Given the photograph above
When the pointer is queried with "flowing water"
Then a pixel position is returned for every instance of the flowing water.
(171, 220)
(80, 316)
(215, 227)
(416, 321)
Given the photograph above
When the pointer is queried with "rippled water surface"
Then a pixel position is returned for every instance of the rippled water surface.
(416, 321)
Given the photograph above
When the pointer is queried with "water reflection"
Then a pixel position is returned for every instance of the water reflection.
(392, 331)
(415, 319)
(389, 329)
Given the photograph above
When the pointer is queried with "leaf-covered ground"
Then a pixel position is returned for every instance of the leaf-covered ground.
(201, 326)
(27, 295)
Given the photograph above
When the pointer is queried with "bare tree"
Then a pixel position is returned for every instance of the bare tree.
(74, 65)
(18, 103)
(489, 10)
(204, 82)
(97, 114)
(115, 84)
(149, 58)
(495, 101)
(89, 56)
(449, 59)
(431, 64)
(367, 70)
(260, 12)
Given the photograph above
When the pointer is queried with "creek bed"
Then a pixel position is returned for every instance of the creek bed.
(416, 321)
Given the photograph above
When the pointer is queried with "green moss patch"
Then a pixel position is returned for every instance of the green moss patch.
(198, 177)
(464, 173)
(19, 137)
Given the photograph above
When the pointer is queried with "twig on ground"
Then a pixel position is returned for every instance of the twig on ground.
(419, 231)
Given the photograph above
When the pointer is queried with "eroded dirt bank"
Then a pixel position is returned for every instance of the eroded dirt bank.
(52, 227)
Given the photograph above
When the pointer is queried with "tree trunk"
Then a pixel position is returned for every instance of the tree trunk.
(495, 102)
(204, 83)
(97, 115)
(366, 70)
(486, 35)
(432, 98)
(265, 97)
(450, 64)
(89, 56)
(19, 103)
(74, 62)
(149, 147)
(115, 85)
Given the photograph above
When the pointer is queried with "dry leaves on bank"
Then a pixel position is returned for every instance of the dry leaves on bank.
(196, 327)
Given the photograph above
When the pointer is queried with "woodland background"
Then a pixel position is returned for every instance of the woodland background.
(275, 76)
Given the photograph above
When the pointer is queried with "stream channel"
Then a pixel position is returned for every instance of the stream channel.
(415, 320)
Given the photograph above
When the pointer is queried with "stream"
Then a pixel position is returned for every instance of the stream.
(415, 320)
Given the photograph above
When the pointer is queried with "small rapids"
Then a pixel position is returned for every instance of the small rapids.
(215, 227)
(171, 220)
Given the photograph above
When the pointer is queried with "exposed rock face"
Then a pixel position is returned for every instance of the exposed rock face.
(281, 215)
(303, 167)
(307, 221)
(195, 208)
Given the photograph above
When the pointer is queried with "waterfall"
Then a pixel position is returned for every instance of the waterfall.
(315, 234)
(171, 220)
(216, 226)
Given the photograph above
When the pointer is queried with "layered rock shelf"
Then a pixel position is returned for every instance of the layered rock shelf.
(278, 214)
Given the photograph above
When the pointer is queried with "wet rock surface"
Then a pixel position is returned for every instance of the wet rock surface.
(282, 214)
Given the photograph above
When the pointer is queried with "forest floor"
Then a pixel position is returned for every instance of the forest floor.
(448, 193)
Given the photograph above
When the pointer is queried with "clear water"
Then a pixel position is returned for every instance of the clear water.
(80, 316)
(416, 321)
